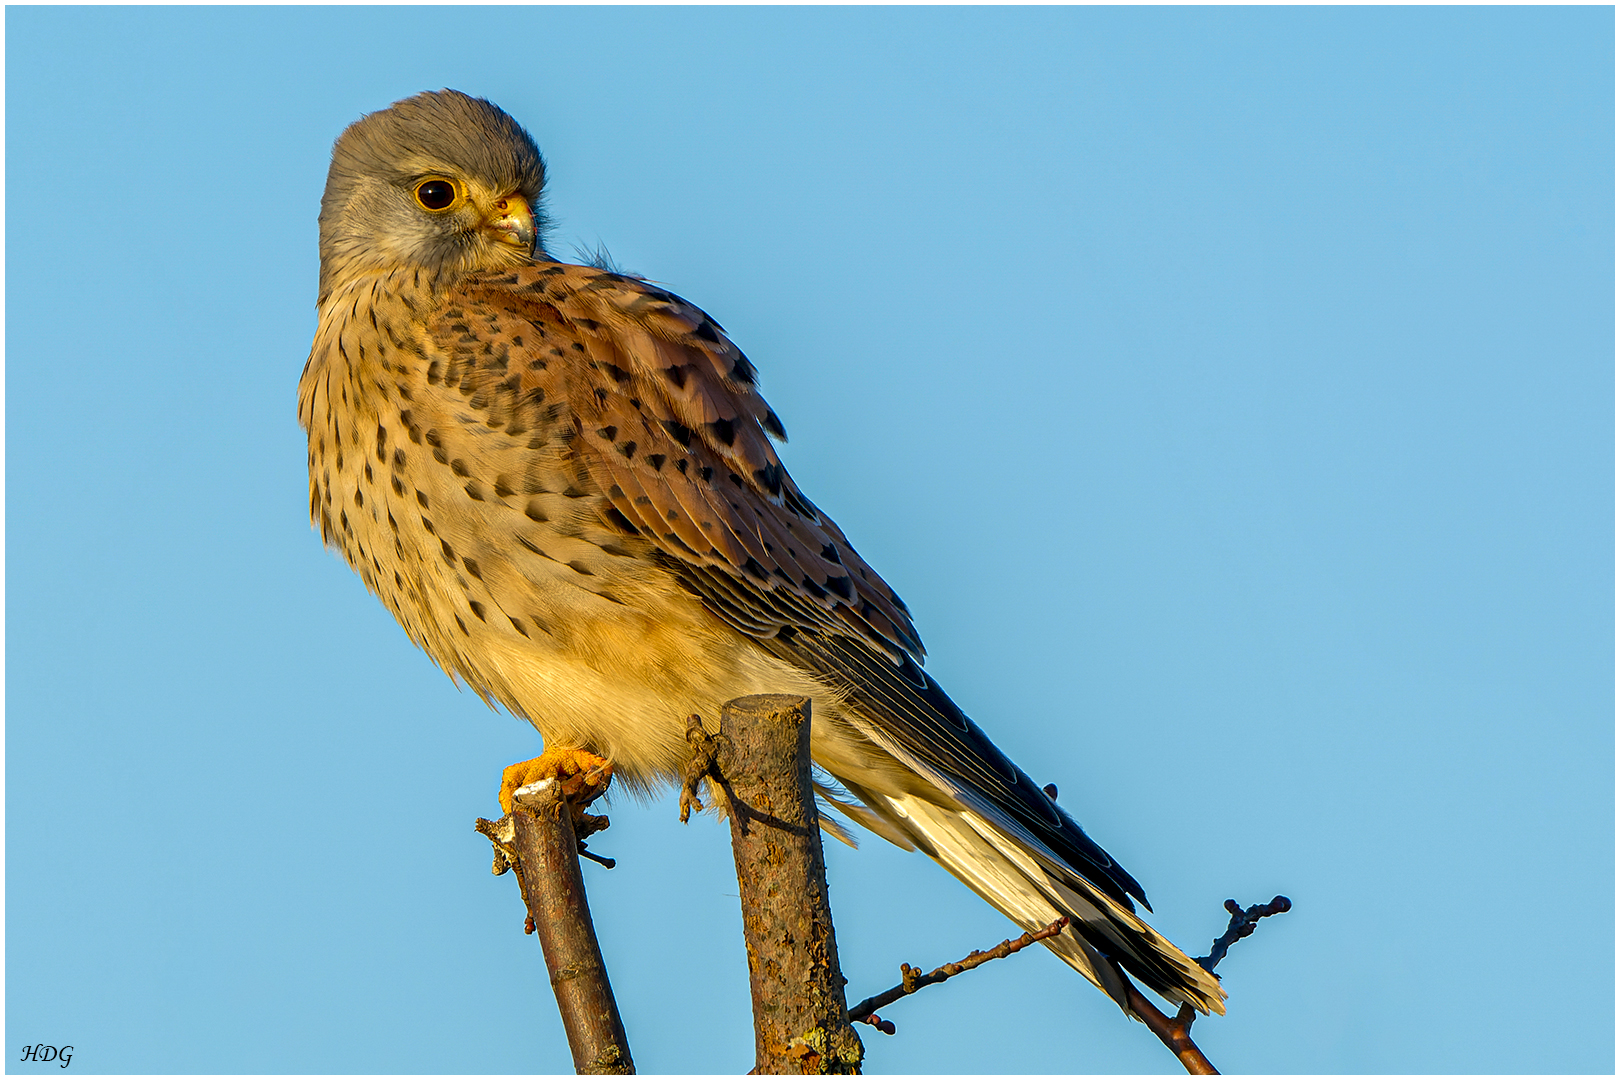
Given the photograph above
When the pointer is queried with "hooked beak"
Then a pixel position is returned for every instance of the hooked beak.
(511, 221)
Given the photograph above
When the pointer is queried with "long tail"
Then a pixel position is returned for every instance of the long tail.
(988, 823)
(1033, 889)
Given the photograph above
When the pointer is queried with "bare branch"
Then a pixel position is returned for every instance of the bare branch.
(538, 840)
(912, 979)
(1242, 925)
(700, 766)
(1176, 1032)
(762, 765)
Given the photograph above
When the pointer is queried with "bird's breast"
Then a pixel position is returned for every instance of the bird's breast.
(452, 489)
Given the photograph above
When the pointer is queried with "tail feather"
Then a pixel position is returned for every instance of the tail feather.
(985, 820)
(1102, 935)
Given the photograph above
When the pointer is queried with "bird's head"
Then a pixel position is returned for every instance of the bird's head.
(439, 181)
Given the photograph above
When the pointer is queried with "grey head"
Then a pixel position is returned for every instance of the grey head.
(440, 181)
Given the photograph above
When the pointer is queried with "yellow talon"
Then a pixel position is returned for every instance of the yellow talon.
(582, 774)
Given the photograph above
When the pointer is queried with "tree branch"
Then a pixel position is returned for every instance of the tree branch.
(1241, 926)
(912, 979)
(761, 763)
(538, 839)
(1176, 1032)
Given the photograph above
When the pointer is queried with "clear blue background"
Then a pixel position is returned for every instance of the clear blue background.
(1229, 393)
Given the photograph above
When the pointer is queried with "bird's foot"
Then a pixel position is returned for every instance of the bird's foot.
(582, 776)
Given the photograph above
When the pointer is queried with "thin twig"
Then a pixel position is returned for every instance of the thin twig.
(600, 860)
(912, 979)
(1176, 1032)
(1241, 926)
(702, 765)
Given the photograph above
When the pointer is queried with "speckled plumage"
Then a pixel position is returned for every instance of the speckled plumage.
(561, 482)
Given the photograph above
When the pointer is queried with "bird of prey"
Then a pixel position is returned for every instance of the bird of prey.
(561, 481)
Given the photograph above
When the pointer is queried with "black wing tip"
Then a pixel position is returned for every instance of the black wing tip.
(847, 657)
(1124, 887)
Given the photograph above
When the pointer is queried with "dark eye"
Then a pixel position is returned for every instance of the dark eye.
(435, 194)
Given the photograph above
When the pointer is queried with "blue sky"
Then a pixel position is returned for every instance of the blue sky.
(1228, 392)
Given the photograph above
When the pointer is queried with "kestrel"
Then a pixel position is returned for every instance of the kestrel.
(561, 481)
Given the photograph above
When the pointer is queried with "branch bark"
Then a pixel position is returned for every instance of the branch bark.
(1175, 1032)
(539, 841)
(762, 763)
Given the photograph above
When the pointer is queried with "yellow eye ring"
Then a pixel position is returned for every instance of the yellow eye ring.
(436, 194)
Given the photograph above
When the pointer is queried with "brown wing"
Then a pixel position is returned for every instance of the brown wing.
(673, 430)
